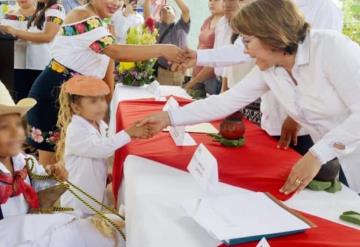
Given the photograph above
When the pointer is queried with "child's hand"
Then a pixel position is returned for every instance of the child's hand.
(142, 132)
(57, 170)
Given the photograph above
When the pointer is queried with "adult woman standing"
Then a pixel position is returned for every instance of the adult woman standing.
(204, 77)
(84, 46)
(313, 74)
(19, 19)
(43, 25)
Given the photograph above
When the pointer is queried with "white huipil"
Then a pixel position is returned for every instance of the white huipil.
(79, 46)
(123, 23)
(18, 22)
(86, 154)
(38, 55)
(321, 14)
(325, 102)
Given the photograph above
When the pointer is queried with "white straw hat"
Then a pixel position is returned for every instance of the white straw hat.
(7, 105)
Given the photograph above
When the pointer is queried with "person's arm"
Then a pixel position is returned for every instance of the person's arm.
(223, 56)
(46, 36)
(204, 74)
(185, 11)
(143, 52)
(224, 85)
(147, 9)
(212, 108)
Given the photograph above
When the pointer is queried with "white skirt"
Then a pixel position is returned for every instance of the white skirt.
(52, 230)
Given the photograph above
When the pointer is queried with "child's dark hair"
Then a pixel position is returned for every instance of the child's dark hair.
(38, 18)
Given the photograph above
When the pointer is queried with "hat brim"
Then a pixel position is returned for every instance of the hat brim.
(21, 108)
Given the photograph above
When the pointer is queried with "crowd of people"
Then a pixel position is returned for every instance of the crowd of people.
(285, 63)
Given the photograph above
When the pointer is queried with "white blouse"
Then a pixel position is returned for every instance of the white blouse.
(17, 205)
(79, 47)
(38, 55)
(86, 154)
(18, 22)
(325, 102)
(321, 14)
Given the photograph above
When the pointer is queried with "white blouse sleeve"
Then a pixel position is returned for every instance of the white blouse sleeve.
(223, 56)
(80, 142)
(219, 106)
(55, 14)
(342, 67)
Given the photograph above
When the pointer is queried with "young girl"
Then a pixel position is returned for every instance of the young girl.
(18, 193)
(84, 143)
(19, 19)
(43, 26)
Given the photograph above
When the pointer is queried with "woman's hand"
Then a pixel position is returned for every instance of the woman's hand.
(289, 133)
(172, 53)
(8, 30)
(302, 173)
(57, 170)
(157, 122)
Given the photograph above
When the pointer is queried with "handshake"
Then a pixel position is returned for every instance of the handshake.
(149, 126)
(180, 60)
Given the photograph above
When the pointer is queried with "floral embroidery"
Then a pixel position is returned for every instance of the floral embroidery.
(61, 69)
(82, 27)
(102, 43)
(94, 23)
(38, 136)
(20, 18)
(55, 20)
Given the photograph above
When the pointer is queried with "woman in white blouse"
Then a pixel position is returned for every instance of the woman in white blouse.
(315, 76)
(18, 18)
(42, 28)
(83, 46)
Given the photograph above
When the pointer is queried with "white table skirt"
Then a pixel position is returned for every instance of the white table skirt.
(152, 193)
(123, 92)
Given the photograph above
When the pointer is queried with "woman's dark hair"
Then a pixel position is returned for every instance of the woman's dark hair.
(38, 18)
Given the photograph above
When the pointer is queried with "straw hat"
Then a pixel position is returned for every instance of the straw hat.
(7, 105)
(86, 86)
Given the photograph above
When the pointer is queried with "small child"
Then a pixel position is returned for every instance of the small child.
(84, 144)
(18, 193)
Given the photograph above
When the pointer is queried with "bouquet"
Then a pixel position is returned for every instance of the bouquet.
(139, 73)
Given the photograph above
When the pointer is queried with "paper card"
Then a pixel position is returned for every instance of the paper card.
(154, 88)
(203, 128)
(204, 168)
(180, 137)
(263, 243)
(171, 104)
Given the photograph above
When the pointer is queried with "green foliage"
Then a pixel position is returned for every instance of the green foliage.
(351, 10)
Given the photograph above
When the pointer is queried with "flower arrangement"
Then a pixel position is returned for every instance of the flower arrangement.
(139, 73)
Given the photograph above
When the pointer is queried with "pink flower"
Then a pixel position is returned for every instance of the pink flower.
(54, 137)
(80, 28)
(95, 47)
(36, 135)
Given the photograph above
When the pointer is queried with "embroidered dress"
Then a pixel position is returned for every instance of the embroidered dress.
(38, 55)
(76, 50)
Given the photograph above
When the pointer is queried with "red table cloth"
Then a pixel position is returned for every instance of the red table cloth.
(258, 166)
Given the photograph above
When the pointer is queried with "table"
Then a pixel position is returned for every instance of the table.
(153, 193)
(236, 166)
(123, 92)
